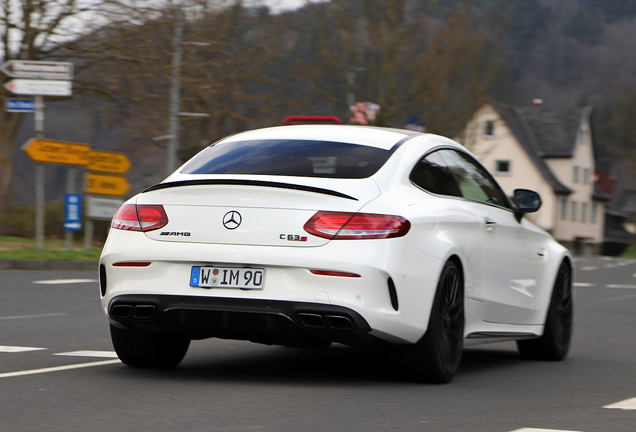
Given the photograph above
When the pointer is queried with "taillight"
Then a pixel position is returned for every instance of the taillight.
(141, 217)
(344, 225)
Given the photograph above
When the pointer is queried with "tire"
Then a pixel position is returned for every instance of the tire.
(143, 349)
(436, 357)
(555, 342)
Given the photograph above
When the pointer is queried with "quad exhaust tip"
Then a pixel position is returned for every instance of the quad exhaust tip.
(333, 322)
(129, 311)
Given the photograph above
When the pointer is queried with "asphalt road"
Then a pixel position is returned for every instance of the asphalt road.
(73, 382)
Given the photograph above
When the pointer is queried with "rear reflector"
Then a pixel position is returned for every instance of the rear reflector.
(334, 273)
(131, 264)
(142, 217)
(354, 226)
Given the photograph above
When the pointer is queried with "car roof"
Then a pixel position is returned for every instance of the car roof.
(384, 138)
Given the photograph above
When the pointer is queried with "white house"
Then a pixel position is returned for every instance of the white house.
(551, 152)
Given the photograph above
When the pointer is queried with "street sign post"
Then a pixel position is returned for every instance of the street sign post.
(40, 87)
(39, 79)
(57, 152)
(108, 161)
(36, 69)
(103, 184)
(19, 105)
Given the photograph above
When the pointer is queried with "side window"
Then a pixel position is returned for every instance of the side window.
(433, 174)
(474, 182)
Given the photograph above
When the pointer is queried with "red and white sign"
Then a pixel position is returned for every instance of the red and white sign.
(40, 87)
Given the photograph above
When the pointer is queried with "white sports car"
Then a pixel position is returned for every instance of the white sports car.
(307, 235)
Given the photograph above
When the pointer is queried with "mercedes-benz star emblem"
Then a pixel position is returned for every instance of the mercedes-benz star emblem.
(232, 220)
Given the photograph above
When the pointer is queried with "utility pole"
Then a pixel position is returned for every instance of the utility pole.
(175, 90)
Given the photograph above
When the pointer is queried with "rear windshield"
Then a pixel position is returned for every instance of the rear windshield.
(302, 158)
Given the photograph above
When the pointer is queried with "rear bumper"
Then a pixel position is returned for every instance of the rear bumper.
(262, 321)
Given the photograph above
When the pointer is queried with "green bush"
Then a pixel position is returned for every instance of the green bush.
(19, 221)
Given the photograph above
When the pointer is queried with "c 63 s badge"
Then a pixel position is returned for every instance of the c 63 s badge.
(293, 237)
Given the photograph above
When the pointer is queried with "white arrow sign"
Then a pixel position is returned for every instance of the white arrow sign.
(38, 69)
(40, 87)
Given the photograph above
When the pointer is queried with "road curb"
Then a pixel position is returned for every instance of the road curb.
(47, 265)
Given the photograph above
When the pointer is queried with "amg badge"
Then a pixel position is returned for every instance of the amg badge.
(175, 234)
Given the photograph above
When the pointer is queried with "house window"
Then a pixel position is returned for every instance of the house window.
(489, 129)
(586, 176)
(573, 214)
(575, 174)
(583, 212)
(564, 208)
(502, 167)
(593, 215)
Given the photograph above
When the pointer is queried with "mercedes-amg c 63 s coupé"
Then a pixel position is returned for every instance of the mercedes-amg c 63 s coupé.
(312, 234)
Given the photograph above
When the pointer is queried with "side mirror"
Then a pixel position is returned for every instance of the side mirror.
(526, 201)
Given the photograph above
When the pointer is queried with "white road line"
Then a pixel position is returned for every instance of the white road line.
(15, 349)
(107, 354)
(33, 316)
(58, 368)
(620, 286)
(64, 281)
(541, 430)
(628, 404)
(586, 268)
(583, 284)
(625, 297)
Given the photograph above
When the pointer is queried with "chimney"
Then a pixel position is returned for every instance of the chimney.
(537, 103)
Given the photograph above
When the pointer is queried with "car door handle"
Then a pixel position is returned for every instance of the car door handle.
(490, 224)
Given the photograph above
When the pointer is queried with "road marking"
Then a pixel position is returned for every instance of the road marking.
(15, 349)
(107, 354)
(58, 368)
(625, 297)
(620, 286)
(541, 430)
(586, 268)
(634, 275)
(33, 316)
(624, 263)
(583, 284)
(64, 281)
(610, 265)
(628, 404)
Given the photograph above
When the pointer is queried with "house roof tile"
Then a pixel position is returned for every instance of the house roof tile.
(533, 131)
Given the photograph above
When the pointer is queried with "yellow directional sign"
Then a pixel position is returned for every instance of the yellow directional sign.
(103, 184)
(57, 152)
(108, 161)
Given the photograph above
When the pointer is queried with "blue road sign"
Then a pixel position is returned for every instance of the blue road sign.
(72, 212)
(19, 105)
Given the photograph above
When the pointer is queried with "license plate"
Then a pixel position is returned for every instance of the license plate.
(227, 277)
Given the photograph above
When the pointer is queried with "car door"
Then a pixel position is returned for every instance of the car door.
(511, 251)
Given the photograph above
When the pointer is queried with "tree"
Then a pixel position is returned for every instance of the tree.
(40, 30)
(410, 57)
(227, 51)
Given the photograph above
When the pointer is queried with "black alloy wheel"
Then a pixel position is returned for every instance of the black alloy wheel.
(436, 357)
(555, 342)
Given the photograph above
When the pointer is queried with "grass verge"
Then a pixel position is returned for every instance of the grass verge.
(20, 248)
(630, 253)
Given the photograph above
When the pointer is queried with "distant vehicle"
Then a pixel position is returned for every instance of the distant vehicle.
(297, 120)
(308, 235)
